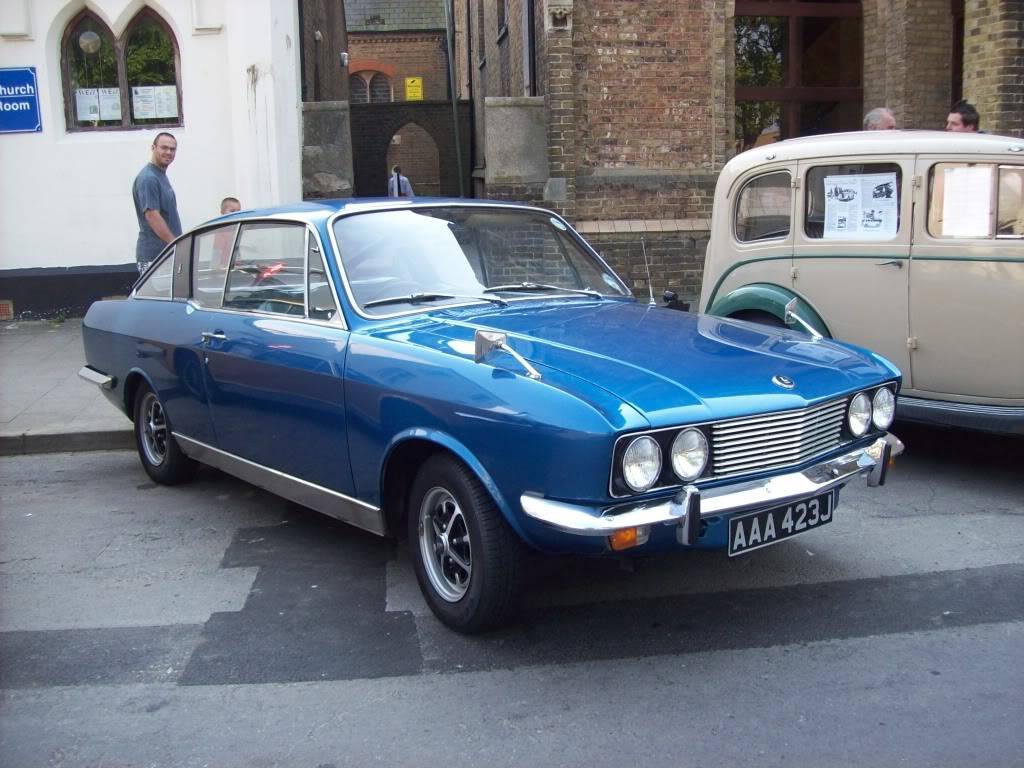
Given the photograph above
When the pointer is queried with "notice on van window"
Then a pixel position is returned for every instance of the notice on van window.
(967, 204)
(861, 207)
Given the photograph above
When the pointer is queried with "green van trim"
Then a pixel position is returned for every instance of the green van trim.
(770, 298)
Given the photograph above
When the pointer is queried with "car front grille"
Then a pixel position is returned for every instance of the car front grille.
(761, 442)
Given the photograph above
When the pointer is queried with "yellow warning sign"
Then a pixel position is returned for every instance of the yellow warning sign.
(414, 89)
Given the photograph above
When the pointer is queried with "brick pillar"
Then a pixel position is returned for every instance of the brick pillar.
(908, 48)
(560, 107)
(994, 63)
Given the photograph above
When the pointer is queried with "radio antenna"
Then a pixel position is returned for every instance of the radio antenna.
(647, 266)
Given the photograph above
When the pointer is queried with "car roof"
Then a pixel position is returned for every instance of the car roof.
(899, 142)
(315, 210)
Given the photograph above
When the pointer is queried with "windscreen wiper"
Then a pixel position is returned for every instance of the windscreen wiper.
(536, 287)
(418, 298)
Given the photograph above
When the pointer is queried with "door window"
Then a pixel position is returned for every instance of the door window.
(322, 304)
(976, 200)
(764, 207)
(210, 256)
(268, 270)
(853, 201)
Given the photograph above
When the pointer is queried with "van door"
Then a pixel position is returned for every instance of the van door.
(967, 281)
(852, 249)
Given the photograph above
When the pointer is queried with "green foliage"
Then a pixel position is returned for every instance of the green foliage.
(149, 56)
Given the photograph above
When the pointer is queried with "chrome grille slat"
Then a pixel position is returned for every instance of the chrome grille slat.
(775, 457)
(786, 415)
(762, 442)
(766, 436)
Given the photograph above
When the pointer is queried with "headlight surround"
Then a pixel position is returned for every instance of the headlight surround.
(689, 454)
(641, 463)
(858, 415)
(883, 408)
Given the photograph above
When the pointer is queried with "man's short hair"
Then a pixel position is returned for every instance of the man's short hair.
(968, 114)
(227, 200)
(164, 133)
(873, 119)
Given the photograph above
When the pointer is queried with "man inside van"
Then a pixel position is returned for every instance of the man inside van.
(963, 118)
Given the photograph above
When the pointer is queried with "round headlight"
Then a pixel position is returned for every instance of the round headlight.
(689, 454)
(641, 464)
(859, 414)
(883, 408)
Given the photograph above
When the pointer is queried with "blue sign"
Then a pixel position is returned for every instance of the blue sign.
(19, 100)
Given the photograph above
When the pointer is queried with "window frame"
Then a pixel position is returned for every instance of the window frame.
(746, 183)
(791, 94)
(120, 43)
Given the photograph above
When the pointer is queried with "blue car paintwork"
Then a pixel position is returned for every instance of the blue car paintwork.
(329, 405)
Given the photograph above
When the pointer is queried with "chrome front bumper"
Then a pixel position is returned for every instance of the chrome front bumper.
(691, 504)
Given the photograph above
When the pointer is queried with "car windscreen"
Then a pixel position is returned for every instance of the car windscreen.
(397, 259)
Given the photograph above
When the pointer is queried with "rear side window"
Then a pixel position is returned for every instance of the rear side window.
(853, 201)
(975, 200)
(764, 208)
(159, 282)
(268, 270)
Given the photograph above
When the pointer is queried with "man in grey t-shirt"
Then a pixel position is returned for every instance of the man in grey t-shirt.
(156, 207)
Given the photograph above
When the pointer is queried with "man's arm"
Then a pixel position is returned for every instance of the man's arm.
(158, 225)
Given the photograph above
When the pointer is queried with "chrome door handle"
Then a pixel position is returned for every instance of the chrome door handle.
(898, 263)
(213, 336)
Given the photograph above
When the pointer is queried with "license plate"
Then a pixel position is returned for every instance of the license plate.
(769, 526)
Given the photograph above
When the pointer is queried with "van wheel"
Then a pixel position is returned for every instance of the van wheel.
(758, 316)
(161, 457)
(468, 561)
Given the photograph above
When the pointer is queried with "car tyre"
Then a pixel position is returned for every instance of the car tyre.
(467, 559)
(161, 457)
(758, 316)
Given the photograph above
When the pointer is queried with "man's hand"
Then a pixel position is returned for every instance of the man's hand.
(158, 225)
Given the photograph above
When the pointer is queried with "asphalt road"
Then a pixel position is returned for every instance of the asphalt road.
(216, 625)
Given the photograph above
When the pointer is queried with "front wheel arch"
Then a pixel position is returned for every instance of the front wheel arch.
(770, 299)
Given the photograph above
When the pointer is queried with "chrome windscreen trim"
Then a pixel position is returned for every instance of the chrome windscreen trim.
(584, 520)
(331, 503)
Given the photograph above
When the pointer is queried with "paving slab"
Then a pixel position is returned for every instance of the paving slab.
(44, 406)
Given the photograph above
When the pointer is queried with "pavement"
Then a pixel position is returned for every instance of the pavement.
(44, 406)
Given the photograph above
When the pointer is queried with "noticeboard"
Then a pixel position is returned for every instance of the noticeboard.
(19, 100)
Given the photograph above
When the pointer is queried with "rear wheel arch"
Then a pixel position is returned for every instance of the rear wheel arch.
(770, 299)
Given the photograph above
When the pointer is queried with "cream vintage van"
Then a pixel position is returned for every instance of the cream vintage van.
(909, 243)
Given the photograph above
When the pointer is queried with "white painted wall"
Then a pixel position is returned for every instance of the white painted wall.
(65, 198)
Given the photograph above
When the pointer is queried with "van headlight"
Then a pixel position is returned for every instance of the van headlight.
(858, 416)
(883, 408)
(641, 463)
(689, 454)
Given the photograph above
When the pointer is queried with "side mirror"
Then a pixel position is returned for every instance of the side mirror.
(792, 318)
(485, 342)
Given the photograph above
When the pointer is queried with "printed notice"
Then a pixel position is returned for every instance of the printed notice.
(861, 207)
(110, 103)
(967, 202)
(166, 100)
(143, 102)
(87, 105)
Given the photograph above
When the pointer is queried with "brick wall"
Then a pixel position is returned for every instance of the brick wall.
(412, 55)
(676, 261)
(908, 48)
(994, 63)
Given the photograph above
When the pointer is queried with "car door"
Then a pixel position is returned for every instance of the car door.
(850, 256)
(275, 356)
(967, 281)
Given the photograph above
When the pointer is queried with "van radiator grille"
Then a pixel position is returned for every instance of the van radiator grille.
(761, 442)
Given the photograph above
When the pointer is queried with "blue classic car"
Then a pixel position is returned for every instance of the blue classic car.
(473, 375)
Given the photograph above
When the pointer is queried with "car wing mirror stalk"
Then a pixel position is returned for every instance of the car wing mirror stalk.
(792, 318)
(486, 341)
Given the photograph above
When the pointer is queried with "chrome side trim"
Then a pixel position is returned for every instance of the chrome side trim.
(584, 520)
(95, 377)
(1006, 419)
(331, 503)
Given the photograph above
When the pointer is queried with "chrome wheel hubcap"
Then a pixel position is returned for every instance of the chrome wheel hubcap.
(153, 430)
(444, 544)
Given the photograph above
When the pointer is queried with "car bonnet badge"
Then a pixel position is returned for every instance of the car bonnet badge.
(783, 381)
